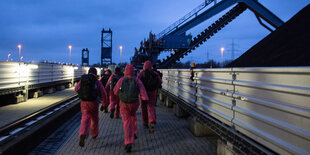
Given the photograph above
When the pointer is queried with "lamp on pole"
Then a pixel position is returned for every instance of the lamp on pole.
(19, 49)
(222, 52)
(70, 47)
(9, 57)
(120, 60)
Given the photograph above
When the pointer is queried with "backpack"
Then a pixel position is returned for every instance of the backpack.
(129, 92)
(113, 81)
(149, 80)
(88, 88)
(159, 73)
(105, 79)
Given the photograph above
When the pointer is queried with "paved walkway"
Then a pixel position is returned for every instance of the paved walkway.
(171, 137)
(13, 112)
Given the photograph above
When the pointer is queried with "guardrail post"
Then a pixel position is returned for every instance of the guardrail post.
(26, 87)
(72, 81)
(168, 102)
(161, 96)
(234, 77)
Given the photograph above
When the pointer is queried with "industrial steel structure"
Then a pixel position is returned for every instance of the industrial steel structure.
(85, 57)
(174, 38)
(106, 47)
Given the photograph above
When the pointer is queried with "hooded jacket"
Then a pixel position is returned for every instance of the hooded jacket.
(129, 72)
(148, 66)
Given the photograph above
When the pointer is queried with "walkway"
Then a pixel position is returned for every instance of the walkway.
(171, 137)
(13, 112)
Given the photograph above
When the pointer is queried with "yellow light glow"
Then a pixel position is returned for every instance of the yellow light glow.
(121, 47)
(70, 46)
(19, 46)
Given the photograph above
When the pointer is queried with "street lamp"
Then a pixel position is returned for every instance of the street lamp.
(222, 51)
(70, 47)
(9, 57)
(19, 49)
(120, 48)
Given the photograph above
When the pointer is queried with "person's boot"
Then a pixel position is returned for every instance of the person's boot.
(128, 148)
(112, 113)
(82, 140)
(152, 128)
(135, 135)
(94, 137)
(146, 126)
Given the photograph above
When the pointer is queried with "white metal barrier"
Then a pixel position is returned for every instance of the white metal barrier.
(21, 75)
(269, 105)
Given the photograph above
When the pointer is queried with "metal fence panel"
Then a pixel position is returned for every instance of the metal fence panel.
(269, 105)
(14, 74)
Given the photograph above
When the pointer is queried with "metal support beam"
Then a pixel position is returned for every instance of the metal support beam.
(253, 5)
(263, 12)
(219, 7)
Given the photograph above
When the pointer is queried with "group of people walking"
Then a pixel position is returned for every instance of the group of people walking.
(123, 94)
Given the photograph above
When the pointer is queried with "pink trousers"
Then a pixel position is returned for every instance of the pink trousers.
(148, 110)
(128, 112)
(90, 118)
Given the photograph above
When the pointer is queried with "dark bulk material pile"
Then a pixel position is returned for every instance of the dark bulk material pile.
(287, 46)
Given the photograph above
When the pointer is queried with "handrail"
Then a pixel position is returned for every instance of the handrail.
(261, 103)
(185, 18)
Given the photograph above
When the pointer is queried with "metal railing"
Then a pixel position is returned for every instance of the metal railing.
(269, 105)
(185, 18)
(23, 75)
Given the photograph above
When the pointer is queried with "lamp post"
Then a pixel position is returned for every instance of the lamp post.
(19, 49)
(120, 60)
(9, 57)
(222, 52)
(70, 47)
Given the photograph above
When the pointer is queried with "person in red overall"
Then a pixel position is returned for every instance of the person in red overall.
(114, 100)
(128, 110)
(104, 79)
(89, 110)
(148, 110)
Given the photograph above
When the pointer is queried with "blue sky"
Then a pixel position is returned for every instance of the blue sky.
(45, 28)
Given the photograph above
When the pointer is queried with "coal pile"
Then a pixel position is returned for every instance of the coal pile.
(289, 45)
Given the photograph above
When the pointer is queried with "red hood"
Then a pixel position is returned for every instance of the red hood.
(147, 65)
(129, 70)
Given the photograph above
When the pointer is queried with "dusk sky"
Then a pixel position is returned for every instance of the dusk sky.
(45, 28)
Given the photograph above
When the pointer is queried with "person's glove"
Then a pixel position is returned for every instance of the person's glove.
(144, 101)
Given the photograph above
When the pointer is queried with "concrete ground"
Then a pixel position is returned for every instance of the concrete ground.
(171, 136)
(13, 112)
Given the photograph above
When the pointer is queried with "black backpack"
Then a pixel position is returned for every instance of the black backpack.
(88, 88)
(105, 79)
(113, 81)
(149, 80)
(129, 92)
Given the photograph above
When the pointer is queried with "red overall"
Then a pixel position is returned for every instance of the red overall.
(148, 110)
(89, 111)
(128, 111)
(114, 100)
